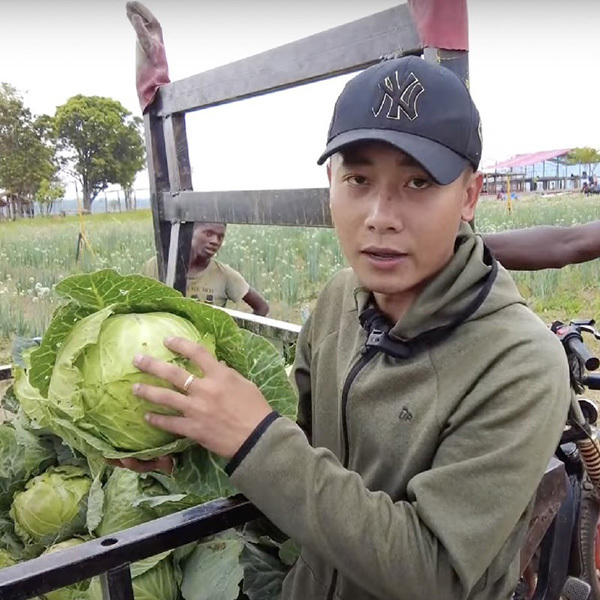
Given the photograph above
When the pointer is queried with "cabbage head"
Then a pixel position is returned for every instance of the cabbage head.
(71, 592)
(156, 583)
(78, 381)
(53, 506)
(110, 410)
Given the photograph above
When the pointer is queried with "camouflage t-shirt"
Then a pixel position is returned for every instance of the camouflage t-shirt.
(215, 285)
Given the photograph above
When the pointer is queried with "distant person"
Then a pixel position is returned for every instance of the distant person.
(210, 280)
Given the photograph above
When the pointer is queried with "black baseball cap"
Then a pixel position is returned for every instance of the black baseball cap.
(419, 107)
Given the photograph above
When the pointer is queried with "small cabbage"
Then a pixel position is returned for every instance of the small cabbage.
(109, 409)
(158, 583)
(9, 541)
(5, 559)
(23, 456)
(70, 592)
(52, 507)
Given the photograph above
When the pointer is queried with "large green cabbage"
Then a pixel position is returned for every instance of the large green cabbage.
(79, 381)
(107, 406)
(53, 506)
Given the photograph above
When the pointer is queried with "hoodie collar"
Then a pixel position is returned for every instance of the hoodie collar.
(452, 296)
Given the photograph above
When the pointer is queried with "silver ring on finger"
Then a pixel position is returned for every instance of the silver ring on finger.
(188, 383)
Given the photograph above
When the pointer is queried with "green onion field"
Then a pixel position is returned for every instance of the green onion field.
(288, 265)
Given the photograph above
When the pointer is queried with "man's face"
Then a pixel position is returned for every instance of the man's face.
(207, 239)
(396, 226)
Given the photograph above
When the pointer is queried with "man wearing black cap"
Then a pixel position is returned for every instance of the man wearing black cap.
(430, 397)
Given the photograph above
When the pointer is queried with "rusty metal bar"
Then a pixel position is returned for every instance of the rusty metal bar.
(177, 153)
(303, 207)
(53, 571)
(180, 178)
(269, 328)
(174, 250)
(158, 176)
(549, 496)
(116, 584)
(455, 60)
(337, 51)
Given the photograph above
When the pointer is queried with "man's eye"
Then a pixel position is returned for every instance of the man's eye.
(356, 180)
(418, 183)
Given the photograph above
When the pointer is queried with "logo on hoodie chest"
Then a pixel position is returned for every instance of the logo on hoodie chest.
(405, 414)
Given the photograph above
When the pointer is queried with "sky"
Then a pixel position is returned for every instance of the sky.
(534, 67)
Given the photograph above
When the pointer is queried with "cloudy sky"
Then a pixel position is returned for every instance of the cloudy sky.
(535, 73)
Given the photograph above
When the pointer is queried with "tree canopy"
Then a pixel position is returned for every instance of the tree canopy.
(101, 143)
(590, 157)
(27, 148)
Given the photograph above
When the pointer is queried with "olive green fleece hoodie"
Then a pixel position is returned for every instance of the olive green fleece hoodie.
(413, 478)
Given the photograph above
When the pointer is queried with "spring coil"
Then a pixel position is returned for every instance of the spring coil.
(589, 451)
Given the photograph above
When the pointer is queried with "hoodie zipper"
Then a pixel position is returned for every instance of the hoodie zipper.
(359, 365)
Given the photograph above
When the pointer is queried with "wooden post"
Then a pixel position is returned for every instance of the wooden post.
(544, 175)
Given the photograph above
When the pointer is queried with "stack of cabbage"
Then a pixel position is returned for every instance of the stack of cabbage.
(71, 408)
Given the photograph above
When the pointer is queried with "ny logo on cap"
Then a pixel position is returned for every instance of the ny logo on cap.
(400, 99)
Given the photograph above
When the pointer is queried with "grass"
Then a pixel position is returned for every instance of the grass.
(288, 265)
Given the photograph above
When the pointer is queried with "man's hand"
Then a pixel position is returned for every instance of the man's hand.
(256, 302)
(151, 66)
(219, 411)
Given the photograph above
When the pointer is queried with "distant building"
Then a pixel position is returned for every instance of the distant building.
(537, 171)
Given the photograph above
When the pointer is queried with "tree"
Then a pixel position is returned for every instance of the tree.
(27, 150)
(585, 156)
(131, 155)
(48, 193)
(102, 143)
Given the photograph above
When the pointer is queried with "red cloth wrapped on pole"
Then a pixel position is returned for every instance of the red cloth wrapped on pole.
(441, 23)
(151, 68)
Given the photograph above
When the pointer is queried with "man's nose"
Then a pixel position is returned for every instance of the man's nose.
(384, 213)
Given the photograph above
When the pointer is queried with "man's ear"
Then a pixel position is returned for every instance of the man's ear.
(472, 192)
(329, 171)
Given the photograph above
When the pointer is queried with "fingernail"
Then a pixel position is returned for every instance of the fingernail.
(137, 359)
(169, 340)
(136, 388)
(147, 417)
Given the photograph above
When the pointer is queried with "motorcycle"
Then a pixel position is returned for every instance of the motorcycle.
(566, 565)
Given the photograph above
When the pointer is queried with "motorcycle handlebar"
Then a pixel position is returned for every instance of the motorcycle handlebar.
(581, 351)
(592, 382)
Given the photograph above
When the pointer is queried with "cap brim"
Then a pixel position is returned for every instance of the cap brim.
(443, 164)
